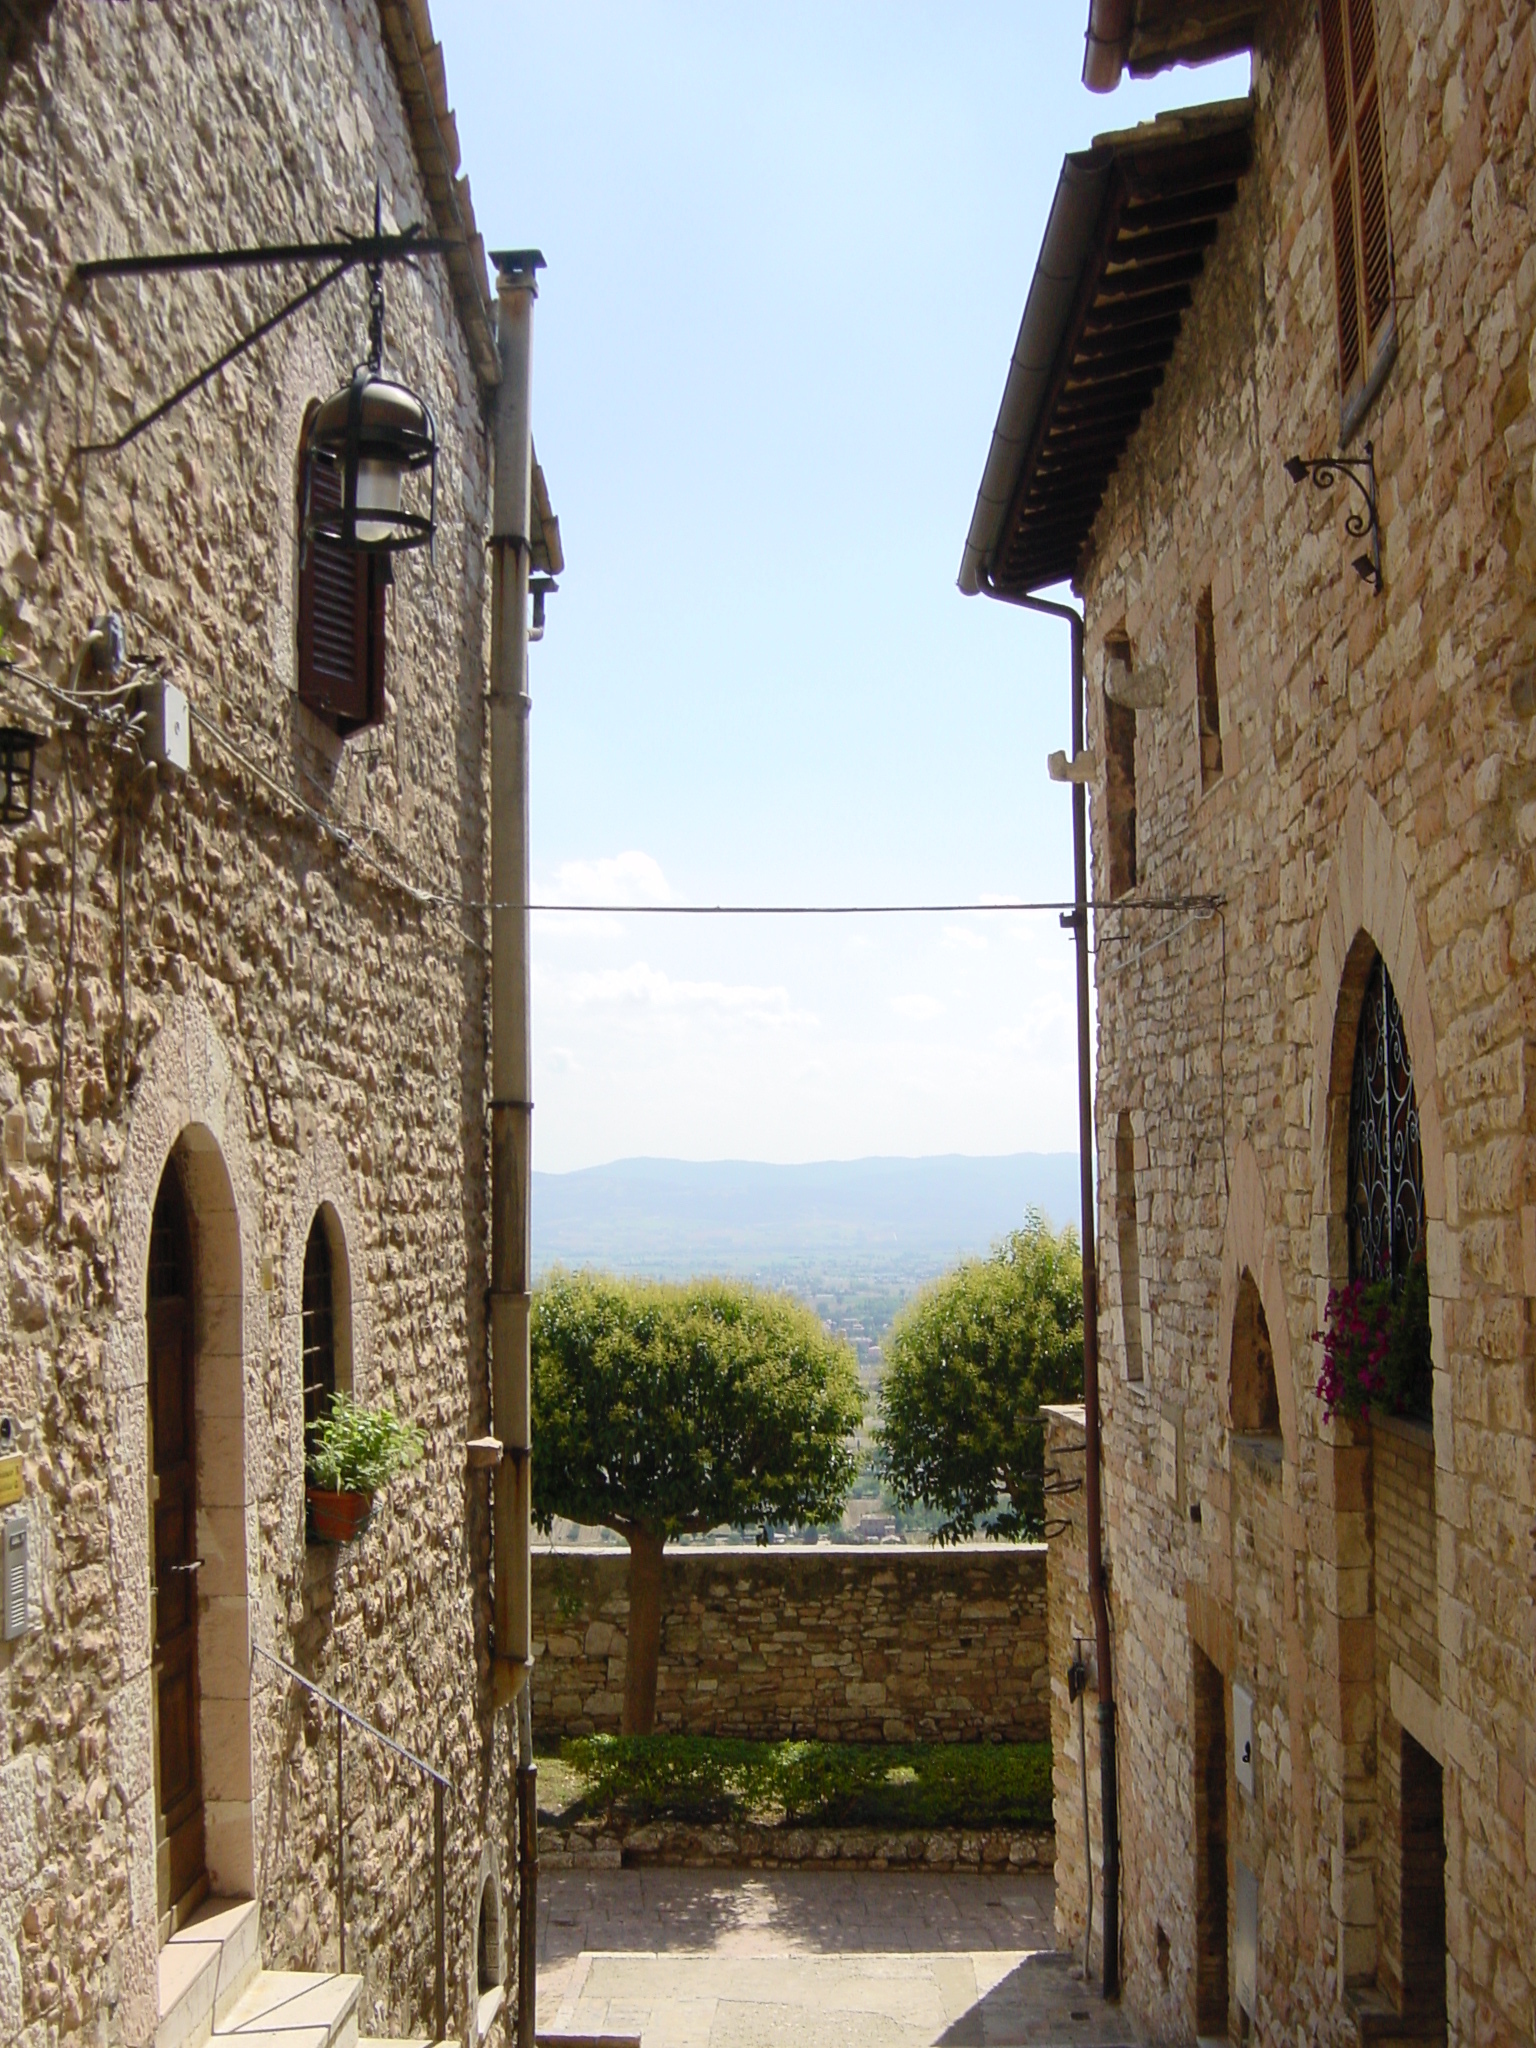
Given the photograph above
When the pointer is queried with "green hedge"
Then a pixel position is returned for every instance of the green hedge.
(921, 1785)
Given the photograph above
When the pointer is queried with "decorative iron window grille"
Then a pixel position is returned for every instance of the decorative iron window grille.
(318, 1329)
(1386, 1166)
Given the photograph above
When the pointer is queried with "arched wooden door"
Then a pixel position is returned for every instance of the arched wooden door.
(180, 1862)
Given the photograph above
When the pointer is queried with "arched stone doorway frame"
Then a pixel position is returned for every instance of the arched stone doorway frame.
(187, 1104)
(1370, 910)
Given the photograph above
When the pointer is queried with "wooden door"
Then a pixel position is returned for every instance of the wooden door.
(180, 1873)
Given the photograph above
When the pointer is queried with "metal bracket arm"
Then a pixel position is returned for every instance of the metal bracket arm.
(1324, 471)
(343, 255)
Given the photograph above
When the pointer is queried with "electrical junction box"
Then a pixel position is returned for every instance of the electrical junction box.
(1245, 1940)
(167, 725)
(13, 1578)
(1242, 1736)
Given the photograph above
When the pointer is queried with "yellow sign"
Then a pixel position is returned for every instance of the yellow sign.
(10, 1481)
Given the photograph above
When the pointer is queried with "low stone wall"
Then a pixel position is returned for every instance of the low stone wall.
(676, 1845)
(845, 1644)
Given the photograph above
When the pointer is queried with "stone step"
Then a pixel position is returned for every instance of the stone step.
(294, 2009)
(205, 1968)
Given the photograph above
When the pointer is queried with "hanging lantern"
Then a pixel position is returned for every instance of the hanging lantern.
(371, 435)
(18, 750)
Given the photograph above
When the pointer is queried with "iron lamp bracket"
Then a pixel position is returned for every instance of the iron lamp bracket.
(340, 255)
(1363, 522)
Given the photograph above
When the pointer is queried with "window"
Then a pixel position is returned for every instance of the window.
(1207, 698)
(1362, 241)
(1255, 1397)
(319, 1326)
(1120, 794)
(341, 610)
(1128, 1236)
(1386, 1166)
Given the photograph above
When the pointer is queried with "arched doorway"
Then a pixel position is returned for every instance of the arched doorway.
(181, 1869)
(198, 1550)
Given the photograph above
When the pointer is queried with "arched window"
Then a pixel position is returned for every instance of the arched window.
(488, 1963)
(1386, 1166)
(1255, 1397)
(319, 1326)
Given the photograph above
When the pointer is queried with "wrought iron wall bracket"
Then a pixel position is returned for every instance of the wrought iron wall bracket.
(1361, 524)
(342, 254)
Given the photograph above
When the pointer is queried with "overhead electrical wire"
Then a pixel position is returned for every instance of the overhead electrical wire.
(1202, 906)
(95, 706)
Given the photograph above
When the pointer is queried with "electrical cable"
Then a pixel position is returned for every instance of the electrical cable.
(1205, 906)
(425, 898)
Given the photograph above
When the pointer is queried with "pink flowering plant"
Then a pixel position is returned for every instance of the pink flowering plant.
(1376, 1350)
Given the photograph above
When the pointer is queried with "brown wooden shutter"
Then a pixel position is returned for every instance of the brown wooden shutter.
(341, 616)
(1362, 244)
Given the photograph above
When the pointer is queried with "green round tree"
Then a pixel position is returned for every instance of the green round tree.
(662, 1411)
(968, 1364)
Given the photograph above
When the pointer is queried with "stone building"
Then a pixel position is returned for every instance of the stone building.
(243, 1059)
(1313, 806)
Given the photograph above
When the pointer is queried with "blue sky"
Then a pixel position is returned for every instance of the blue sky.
(788, 251)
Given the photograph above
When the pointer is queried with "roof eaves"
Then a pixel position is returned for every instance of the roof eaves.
(1069, 406)
(423, 80)
(1147, 36)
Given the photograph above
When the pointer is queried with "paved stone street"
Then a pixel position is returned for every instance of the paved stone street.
(806, 1959)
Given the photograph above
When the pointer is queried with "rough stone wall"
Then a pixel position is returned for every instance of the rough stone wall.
(1069, 1634)
(1403, 1500)
(319, 1025)
(1378, 791)
(851, 1645)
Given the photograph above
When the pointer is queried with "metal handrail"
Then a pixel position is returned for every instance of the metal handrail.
(440, 1788)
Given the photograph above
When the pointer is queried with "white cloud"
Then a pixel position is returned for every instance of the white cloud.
(962, 936)
(642, 988)
(631, 877)
(922, 1009)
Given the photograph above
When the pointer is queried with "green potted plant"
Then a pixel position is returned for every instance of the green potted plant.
(354, 1450)
(1376, 1348)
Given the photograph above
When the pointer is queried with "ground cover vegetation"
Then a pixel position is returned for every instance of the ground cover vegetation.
(662, 1410)
(827, 1784)
(969, 1363)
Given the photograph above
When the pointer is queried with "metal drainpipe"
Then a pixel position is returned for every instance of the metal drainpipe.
(1077, 918)
(511, 1068)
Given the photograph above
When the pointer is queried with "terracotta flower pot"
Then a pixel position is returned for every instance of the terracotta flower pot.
(338, 1517)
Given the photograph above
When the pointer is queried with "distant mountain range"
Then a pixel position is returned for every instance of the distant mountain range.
(675, 1217)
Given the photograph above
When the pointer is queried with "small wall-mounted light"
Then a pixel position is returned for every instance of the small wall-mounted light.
(1360, 524)
(18, 752)
(539, 588)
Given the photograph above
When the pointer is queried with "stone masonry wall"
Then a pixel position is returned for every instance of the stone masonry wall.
(848, 1645)
(1377, 796)
(1070, 1634)
(206, 970)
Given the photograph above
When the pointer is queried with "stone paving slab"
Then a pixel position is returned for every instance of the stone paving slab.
(802, 1959)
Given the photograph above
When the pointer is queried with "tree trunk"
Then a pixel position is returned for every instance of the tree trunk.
(644, 1632)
